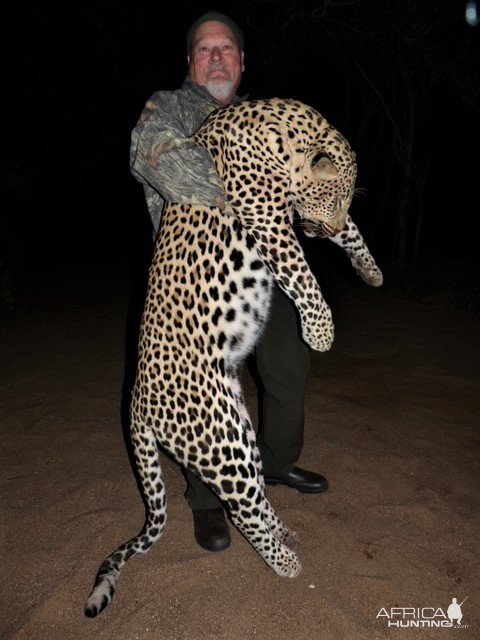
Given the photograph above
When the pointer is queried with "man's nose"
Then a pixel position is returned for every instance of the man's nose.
(216, 53)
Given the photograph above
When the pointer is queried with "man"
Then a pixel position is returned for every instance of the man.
(173, 170)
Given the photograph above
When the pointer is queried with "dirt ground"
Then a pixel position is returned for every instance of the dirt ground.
(392, 419)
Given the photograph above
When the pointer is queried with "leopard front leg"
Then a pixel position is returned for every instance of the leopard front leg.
(317, 323)
(291, 272)
(352, 242)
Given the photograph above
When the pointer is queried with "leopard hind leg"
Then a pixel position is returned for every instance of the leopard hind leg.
(283, 534)
(247, 508)
(150, 472)
(243, 493)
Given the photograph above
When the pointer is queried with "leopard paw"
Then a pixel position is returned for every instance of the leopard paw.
(371, 275)
(290, 567)
(320, 336)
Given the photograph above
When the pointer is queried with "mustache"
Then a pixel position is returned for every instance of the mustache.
(217, 66)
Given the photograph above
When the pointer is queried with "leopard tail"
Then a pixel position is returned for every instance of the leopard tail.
(148, 464)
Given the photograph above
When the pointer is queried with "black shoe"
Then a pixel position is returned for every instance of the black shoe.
(211, 529)
(301, 480)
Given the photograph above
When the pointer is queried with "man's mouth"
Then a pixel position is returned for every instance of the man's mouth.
(218, 73)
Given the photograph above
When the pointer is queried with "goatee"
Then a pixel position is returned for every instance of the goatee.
(220, 89)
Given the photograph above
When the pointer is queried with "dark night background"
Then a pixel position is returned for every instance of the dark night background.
(398, 78)
(391, 412)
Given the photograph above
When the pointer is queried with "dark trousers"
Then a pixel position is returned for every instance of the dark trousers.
(283, 365)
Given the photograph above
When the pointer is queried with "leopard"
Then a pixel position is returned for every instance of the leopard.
(209, 289)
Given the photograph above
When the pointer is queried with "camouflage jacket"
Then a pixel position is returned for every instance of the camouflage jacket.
(170, 167)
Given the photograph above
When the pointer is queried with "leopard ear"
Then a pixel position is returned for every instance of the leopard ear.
(325, 169)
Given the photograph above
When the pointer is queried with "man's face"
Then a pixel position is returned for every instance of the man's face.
(215, 61)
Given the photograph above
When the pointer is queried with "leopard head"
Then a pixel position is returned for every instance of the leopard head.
(278, 155)
(322, 169)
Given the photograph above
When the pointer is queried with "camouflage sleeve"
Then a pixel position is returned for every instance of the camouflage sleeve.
(162, 156)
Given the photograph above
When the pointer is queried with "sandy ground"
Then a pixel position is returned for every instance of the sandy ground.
(392, 420)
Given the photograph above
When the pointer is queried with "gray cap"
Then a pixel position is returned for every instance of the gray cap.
(215, 16)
